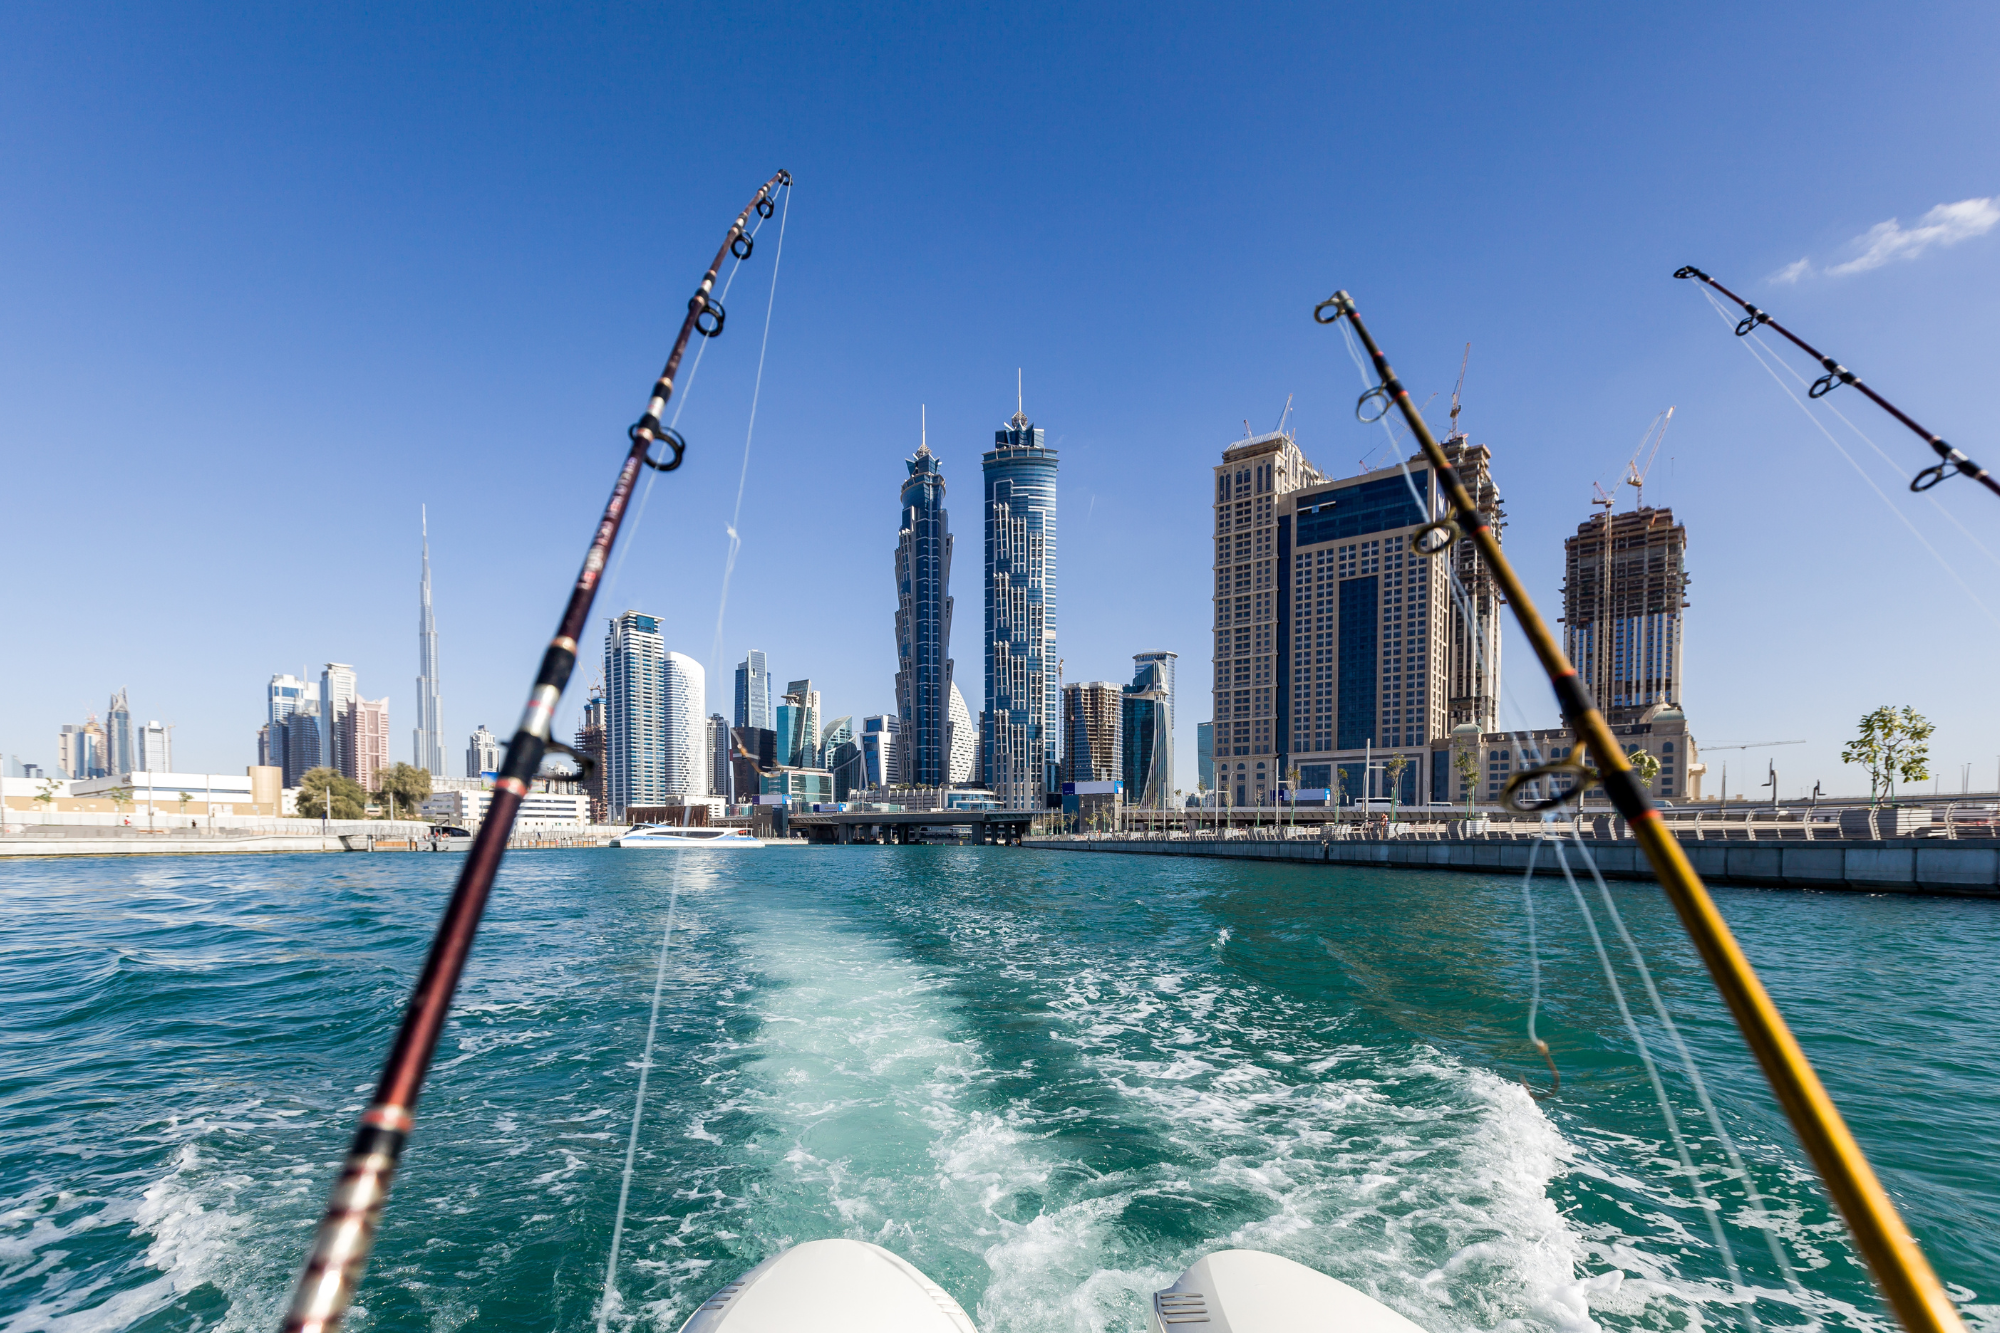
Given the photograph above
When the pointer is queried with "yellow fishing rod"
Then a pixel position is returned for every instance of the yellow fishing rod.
(1903, 1273)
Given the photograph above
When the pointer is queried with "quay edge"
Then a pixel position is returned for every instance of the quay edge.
(1968, 867)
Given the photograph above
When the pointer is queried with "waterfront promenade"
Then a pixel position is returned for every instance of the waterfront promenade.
(1960, 867)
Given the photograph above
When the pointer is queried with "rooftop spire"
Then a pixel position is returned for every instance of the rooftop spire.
(1020, 413)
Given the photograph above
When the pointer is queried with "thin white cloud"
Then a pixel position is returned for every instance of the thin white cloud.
(1791, 273)
(1947, 224)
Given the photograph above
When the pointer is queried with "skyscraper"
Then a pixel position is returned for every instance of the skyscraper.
(427, 741)
(1018, 749)
(483, 753)
(798, 730)
(1154, 785)
(1624, 588)
(336, 696)
(1147, 732)
(923, 621)
(1090, 731)
(590, 747)
(878, 750)
(365, 741)
(1475, 639)
(287, 694)
(753, 692)
(964, 739)
(1335, 643)
(1251, 655)
(118, 755)
(156, 748)
(717, 745)
(298, 753)
(685, 731)
(635, 713)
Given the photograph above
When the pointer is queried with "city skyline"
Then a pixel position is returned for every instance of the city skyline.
(423, 307)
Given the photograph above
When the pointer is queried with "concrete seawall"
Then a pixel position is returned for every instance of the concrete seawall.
(1963, 867)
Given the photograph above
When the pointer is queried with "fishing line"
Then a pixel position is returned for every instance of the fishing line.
(1535, 976)
(610, 1301)
(1895, 467)
(1523, 738)
(1703, 1201)
(610, 1298)
(1903, 1273)
(680, 406)
(1692, 1070)
(743, 478)
(341, 1244)
(1859, 470)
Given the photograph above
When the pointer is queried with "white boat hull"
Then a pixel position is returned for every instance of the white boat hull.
(850, 1286)
(1248, 1291)
(668, 837)
(831, 1286)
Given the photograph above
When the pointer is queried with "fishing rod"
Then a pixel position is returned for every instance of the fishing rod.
(346, 1234)
(1951, 460)
(1904, 1274)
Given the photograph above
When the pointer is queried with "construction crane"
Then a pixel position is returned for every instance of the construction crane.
(1456, 387)
(1754, 745)
(1635, 476)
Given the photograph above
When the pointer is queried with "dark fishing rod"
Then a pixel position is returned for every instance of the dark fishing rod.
(1950, 460)
(1900, 1268)
(347, 1232)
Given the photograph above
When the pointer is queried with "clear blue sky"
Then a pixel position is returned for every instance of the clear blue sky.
(272, 278)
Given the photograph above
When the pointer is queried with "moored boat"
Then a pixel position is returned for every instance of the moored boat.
(671, 835)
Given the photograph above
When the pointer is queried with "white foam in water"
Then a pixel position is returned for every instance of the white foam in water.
(1407, 1174)
(192, 1233)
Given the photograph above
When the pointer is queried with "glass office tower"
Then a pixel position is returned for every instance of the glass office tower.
(1018, 750)
(923, 622)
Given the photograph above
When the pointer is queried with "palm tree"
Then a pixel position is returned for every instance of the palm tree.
(1394, 769)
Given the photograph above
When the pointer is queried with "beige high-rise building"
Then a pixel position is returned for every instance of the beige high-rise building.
(1624, 588)
(1250, 652)
(1341, 655)
(1092, 736)
(364, 729)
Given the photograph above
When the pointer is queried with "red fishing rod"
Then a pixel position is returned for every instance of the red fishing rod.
(347, 1231)
(1950, 460)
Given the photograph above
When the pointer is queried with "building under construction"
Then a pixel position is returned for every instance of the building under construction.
(1475, 638)
(1624, 588)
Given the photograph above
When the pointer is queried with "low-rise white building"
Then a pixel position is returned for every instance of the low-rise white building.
(539, 809)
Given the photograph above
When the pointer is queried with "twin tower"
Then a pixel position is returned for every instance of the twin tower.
(1014, 745)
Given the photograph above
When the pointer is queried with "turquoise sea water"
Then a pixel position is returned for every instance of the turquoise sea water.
(1050, 1080)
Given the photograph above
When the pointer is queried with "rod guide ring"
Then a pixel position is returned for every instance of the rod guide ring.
(666, 435)
(1585, 776)
(708, 314)
(1444, 527)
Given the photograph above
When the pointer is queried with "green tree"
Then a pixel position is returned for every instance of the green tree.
(1466, 761)
(1645, 765)
(46, 797)
(1394, 769)
(403, 788)
(185, 798)
(1891, 745)
(324, 792)
(121, 797)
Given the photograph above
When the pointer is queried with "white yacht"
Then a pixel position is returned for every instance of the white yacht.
(674, 835)
(850, 1286)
